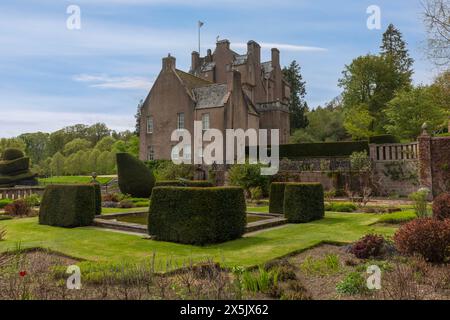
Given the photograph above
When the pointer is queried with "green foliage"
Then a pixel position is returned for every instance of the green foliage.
(184, 183)
(260, 281)
(76, 145)
(354, 283)
(325, 149)
(105, 144)
(383, 138)
(276, 197)
(248, 176)
(420, 199)
(5, 202)
(32, 200)
(3, 233)
(68, 205)
(325, 266)
(135, 178)
(409, 109)
(13, 166)
(197, 215)
(360, 161)
(340, 207)
(256, 193)
(167, 170)
(324, 125)
(8, 143)
(297, 104)
(98, 199)
(12, 154)
(397, 217)
(303, 202)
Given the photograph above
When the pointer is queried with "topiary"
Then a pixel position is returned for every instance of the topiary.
(135, 178)
(428, 237)
(303, 202)
(184, 183)
(68, 205)
(98, 199)
(197, 215)
(12, 154)
(441, 206)
(369, 246)
(276, 197)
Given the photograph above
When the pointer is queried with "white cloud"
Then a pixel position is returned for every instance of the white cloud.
(282, 46)
(108, 82)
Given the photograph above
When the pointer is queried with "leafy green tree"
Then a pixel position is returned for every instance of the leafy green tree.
(394, 48)
(106, 162)
(57, 164)
(369, 82)
(297, 104)
(325, 125)
(93, 160)
(105, 144)
(138, 118)
(248, 176)
(35, 145)
(97, 132)
(410, 109)
(76, 145)
(6, 143)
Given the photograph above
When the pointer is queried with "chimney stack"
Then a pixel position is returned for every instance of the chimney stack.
(195, 60)
(275, 57)
(169, 63)
(223, 43)
(234, 81)
(254, 49)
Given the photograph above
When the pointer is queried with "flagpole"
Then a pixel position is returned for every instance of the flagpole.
(199, 38)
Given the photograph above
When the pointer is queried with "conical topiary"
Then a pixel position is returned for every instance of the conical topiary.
(135, 178)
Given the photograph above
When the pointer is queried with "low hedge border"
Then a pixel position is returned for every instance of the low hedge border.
(197, 216)
(276, 197)
(303, 202)
(184, 183)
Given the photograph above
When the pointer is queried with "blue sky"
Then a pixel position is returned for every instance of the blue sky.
(53, 77)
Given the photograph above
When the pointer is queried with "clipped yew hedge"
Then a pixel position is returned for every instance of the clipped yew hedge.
(12, 154)
(322, 149)
(197, 215)
(20, 165)
(276, 197)
(303, 202)
(135, 178)
(184, 183)
(69, 206)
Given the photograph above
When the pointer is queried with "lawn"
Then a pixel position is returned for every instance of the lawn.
(106, 246)
(122, 210)
(73, 180)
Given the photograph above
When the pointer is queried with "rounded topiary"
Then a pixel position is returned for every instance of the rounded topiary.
(68, 205)
(441, 206)
(276, 197)
(303, 202)
(135, 178)
(12, 154)
(197, 215)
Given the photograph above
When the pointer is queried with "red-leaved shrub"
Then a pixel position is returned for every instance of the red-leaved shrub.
(441, 206)
(427, 237)
(371, 245)
(18, 208)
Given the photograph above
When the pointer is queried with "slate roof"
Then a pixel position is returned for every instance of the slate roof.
(192, 81)
(212, 96)
(240, 59)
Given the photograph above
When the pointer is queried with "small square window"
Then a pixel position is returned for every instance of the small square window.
(151, 153)
(180, 121)
(205, 121)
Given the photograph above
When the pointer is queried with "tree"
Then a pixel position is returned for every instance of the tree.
(57, 164)
(138, 118)
(6, 143)
(297, 105)
(437, 21)
(93, 160)
(96, 132)
(36, 145)
(410, 109)
(105, 144)
(76, 145)
(394, 48)
(369, 82)
(325, 125)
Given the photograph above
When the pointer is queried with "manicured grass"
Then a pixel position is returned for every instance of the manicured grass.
(264, 209)
(121, 210)
(72, 180)
(398, 217)
(106, 246)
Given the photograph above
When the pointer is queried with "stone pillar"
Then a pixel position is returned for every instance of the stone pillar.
(425, 171)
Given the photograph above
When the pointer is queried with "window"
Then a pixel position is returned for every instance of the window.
(205, 121)
(150, 124)
(151, 153)
(175, 153)
(180, 121)
(187, 153)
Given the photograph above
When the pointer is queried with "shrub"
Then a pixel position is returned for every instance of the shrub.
(256, 193)
(420, 202)
(167, 170)
(276, 197)
(126, 204)
(427, 237)
(135, 178)
(197, 215)
(33, 200)
(260, 281)
(323, 266)
(184, 183)
(369, 246)
(68, 205)
(19, 208)
(303, 202)
(248, 176)
(322, 149)
(398, 217)
(383, 138)
(12, 154)
(111, 197)
(340, 207)
(441, 206)
(5, 202)
(353, 283)
(15, 167)
(98, 199)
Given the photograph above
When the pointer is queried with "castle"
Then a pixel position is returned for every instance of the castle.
(223, 90)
